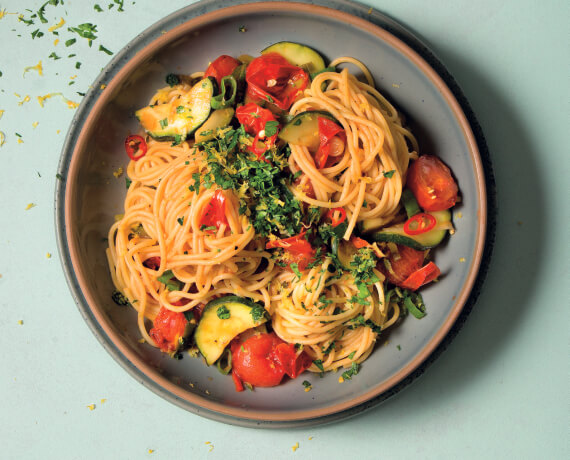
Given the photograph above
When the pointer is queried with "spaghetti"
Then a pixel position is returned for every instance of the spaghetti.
(247, 213)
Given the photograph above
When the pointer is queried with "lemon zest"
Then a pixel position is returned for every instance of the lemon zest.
(295, 447)
(2, 138)
(30, 206)
(70, 104)
(23, 101)
(57, 26)
(37, 67)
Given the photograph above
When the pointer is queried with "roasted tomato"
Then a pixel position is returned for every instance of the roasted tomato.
(215, 212)
(168, 328)
(402, 264)
(221, 67)
(272, 79)
(264, 359)
(296, 249)
(431, 182)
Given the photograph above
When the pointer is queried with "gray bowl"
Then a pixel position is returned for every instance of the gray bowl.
(90, 196)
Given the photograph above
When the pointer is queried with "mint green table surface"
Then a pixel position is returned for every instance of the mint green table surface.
(499, 391)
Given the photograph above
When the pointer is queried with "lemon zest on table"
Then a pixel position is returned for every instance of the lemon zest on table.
(37, 67)
(57, 26)
(295, 447)
(70, 104)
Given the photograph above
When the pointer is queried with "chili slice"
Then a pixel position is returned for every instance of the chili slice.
(340, 220)
(133, 144)
(420, 223)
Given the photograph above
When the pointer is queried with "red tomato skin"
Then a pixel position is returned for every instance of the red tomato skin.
(289, 80)
(215, 211)
(424, 275)
(408, 262)
(431, 182)
(296, 250)
(327, 130)
(167, 329)
(253, 118)
(221, 67)
(254, 361)
(152, 262)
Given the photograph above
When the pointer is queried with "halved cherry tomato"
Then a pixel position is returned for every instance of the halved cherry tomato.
(424, 275)
(152, 262)
(296, 250)
(359, 242)
(264, 359)
(336, 222)
(167, 329)
(254, 119)
(221, 67)
(431, 182)
(420, 223)
(215, 212)
(135, 146)
(271, 78)
(402, 264)
(327, 130)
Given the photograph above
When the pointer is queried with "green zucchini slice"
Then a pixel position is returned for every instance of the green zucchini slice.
(180, 118)
(427, 240)
(299, 55)
(303, 129)
(222, 320)
(218, 119)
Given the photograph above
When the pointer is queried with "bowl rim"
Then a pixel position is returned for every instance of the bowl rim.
(132, 362)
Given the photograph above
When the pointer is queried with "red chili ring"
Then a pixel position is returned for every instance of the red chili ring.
(424, 223)
(340, 220)
(133, 144)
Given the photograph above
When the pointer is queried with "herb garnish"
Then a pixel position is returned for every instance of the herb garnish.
(223, 312)
(168, 278)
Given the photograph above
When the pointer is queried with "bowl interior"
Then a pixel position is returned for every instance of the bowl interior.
(93, 196)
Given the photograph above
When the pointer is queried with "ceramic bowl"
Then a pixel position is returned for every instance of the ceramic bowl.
(90, 196)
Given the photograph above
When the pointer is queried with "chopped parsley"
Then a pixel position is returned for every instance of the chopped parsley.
(70, 42)
(97, 8)
(351, 355)
(119, 298)
(163, 123)
(168, 278)
(85, 30)
(223, 312)
(180, 220)
(172, 80)
(54, 56)
(258, 312)
(319, 364)
(354, 368)
(389, 174)
(271, 128)
(105, 50)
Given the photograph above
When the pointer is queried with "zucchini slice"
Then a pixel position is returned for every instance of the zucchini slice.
(218, 119)
(427, 240)
(303, 129)
(222, 320)
(181, 117)
(299, 55)
(345, 252)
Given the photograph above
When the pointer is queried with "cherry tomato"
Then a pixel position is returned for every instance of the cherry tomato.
(167, 329)
(254, 361)
(264, 359)
(215, 212)
(424, 275)
(328, 129)
(359, 242)
(402, 264)
(135, 146)
(271, 78)
(221, 67)
(254, 119)
(152, 262)
(431, 182)
(296, 250)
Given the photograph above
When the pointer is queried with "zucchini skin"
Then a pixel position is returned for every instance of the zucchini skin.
(427, 240)
(303, 129)
(298, 54)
